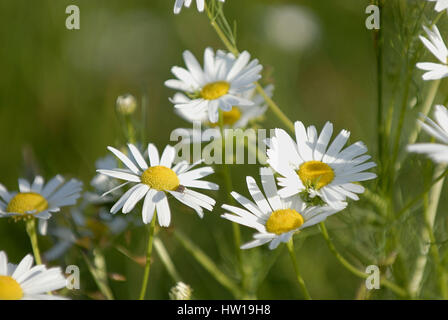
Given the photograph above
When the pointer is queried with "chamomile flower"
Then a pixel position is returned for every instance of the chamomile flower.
(316, 170)
(439, 130)
(181, 291)
(440, 5)
(276, 219)
(39, 200)
(238, 117)
(24, 282)
(180, 3)
(437, 46)
(221, 84)
(159, 180)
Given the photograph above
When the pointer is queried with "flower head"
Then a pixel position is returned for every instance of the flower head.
(437, 46)
(320, 172)
(39, 200)
(221, 84)
(126, 104)
(180, 3)
(24, 282)
(440, 5)
(439, 130)
(275, 219)
(181, 291)
(156, 181)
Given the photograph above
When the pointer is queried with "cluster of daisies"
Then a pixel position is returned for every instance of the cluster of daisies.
(315, 175)
(438, 152)
(34, 200)
(310, 176)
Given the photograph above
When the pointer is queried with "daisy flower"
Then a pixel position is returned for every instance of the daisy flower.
(440, 5)
(315, 169)
(237, 117)
(437, 46)
(439, 130)
(39, 200)
(180, 3)
(221, 84)
(276, 219)
(24, 282)
(156, 181)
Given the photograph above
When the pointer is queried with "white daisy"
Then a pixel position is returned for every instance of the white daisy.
(221, 84)
(157, 180)
(275, 219)
(316, 171)
(180, 3)
(238, 117)
(24, 282)
(38, 199)
(439, 130)
(437, 46)
(440, 5)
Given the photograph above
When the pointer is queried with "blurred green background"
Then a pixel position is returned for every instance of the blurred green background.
(57, 95)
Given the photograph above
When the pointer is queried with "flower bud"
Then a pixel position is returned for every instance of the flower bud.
(126, 104)
(181, 291)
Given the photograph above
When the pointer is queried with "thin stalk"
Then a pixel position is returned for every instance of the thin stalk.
(275, 108)
(32, 234)
(432, 92)
(378, 42)
(416, 199)
(166, 260)
(235, 226)
(386, 283)
(148, 258)
(300, 280)
(208, 264)
(429, 242)
(99, 276)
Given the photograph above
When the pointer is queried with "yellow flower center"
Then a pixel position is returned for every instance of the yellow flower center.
(284, 220)
(26, 202)
(215, 90)
(229, 117)
(10, 289)
(160, 178)
(315, 174)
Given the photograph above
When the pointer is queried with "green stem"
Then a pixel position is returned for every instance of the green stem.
(300, 280)
(379, 71)
(416, 199)
(275, 108)
(148, 258)
(208, 264)
(235, 226)
(429, 241)
(166, 260)
(32, 234)
(98, 273)
(388, 284)
(425, 109)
